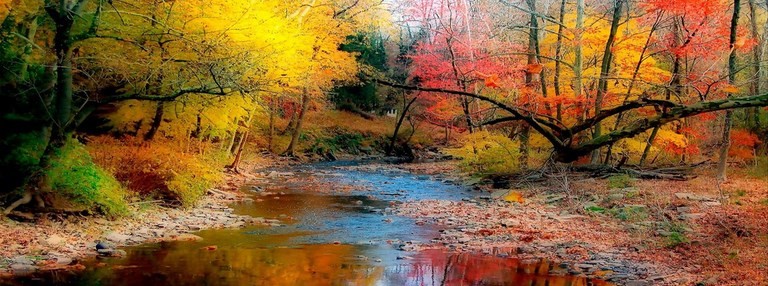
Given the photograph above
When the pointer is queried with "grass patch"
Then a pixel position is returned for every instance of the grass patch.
(630, 213)
(595, 209)
(620, 181)
(675, 234)
(74, 176)
(759, 169)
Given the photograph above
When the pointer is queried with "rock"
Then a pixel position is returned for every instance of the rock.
(117, 238)
(637, 283)
(554, 199)
(111, 252)
(62, 260)
(685, 196)
(616, 196)
(22, 260)
(23, 269)
(183, 237)
(510, 223)
(712, 204)
(55, 240)
(691, 216)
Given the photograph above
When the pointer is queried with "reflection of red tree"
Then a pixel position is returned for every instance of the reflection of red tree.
(437, 267)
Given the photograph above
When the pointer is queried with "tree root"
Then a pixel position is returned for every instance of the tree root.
(25, 199)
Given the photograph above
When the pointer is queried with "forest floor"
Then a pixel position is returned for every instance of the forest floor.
(647, 232)
(61, 242)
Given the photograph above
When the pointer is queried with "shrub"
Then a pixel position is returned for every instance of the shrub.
(486, 152)
(158, 169)
(74, 176)
(759, 169)
(350, 142)
(19, 157)
(620, 181)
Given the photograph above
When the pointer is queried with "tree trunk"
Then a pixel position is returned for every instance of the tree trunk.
(534, 47)
(244, 139)
(602, 85)
(578, 86)
(753, 115)
(722, 164)
(525, 148)
(29, 47)
(463, 85)
(632, 82)
(393, 139)
(558, 58)
(154, 126)
(291, 150)
(272, 111)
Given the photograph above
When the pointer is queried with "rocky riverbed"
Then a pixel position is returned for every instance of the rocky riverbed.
(63, 243)
(586, 246)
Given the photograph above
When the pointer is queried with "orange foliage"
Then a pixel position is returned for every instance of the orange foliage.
(154, 169)
(534, 68)
(743, 144)
(492, 81)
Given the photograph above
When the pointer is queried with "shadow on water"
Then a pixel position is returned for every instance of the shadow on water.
(327, 238)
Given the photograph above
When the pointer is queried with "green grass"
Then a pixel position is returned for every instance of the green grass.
(760, 168)
(676, 234)
(620, 181)
(630, 213)
(595, 209)
(74, 176)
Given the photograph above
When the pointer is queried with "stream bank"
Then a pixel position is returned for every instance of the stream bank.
(338, 224)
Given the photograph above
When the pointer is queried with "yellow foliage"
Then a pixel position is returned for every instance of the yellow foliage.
(630, 39)
(487, 152)
(514, 197)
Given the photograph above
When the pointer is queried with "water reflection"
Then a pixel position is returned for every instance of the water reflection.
(319, 264)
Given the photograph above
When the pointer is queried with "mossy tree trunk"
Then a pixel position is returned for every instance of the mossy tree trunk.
(725, 145)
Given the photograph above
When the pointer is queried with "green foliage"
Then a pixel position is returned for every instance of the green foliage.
(19, 158)
(760, 168)
(675, 234)
(74, 176)
(370, 51)
(486, 153)
(630, 213)
(620, 181)
(595, 209)
(349, 142)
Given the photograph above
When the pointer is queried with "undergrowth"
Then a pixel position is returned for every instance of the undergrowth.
(759, 169)
(74, 176)
(159, 169)
(484, 152)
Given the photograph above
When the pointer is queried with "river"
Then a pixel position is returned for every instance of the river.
(337, 229)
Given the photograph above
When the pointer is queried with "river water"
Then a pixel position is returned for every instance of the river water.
(338, 229)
